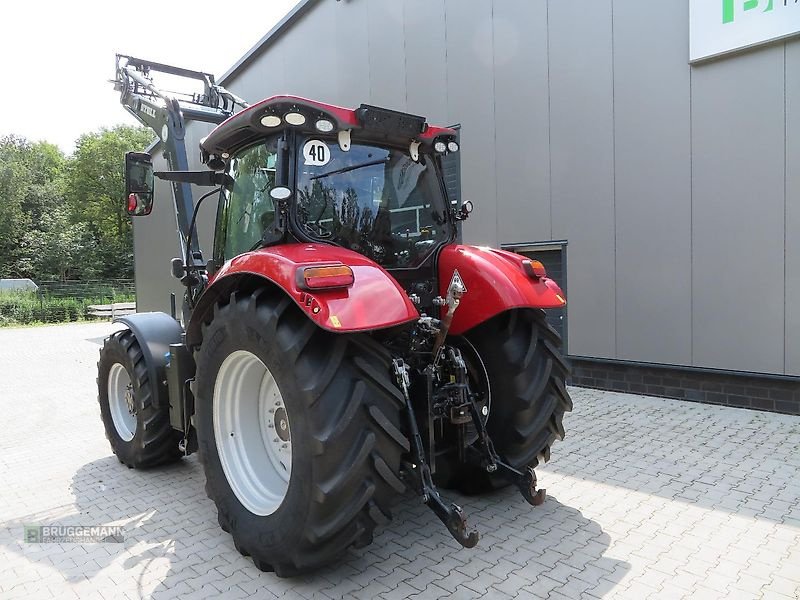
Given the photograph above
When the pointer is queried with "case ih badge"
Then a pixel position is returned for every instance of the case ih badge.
(329, 356)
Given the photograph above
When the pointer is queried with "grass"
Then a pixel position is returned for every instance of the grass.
(30, 308)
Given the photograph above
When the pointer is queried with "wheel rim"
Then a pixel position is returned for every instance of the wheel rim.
(252, 432)
(121, 402)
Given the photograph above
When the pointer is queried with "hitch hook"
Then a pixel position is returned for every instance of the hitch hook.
(453, 518)
(527, 487)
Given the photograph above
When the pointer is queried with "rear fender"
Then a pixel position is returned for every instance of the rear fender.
(496, 281)
(374, 301)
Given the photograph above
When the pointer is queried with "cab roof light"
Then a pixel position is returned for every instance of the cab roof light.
(324, 125)
(534, 269)
(325, 277)
(270, 120)
(294, 117)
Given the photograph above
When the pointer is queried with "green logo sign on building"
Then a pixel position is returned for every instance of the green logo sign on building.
(721, 26)
(729, 8)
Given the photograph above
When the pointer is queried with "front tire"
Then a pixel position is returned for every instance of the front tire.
(139, 432)
(339, 473)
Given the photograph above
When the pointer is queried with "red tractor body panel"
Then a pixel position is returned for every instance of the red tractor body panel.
(496, 281)
(374, 300)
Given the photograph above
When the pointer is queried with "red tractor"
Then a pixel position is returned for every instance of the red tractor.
(341, 347)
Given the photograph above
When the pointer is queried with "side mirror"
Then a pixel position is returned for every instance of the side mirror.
(139, 184)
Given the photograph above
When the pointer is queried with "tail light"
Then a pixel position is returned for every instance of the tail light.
(326, 277)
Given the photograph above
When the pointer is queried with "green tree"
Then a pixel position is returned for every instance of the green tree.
(31, 187)
(95, 193)
(61, 249)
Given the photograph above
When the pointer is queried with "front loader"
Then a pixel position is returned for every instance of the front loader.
(340, 347)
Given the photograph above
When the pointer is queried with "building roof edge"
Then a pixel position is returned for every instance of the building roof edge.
(272, 35)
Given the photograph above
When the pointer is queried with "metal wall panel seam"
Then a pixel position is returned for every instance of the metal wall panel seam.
(785, 196)
(447, 94)
(691, 218)
(405, 52)
(549, 121)
(497, 204)
(369, 58)
(614, 179)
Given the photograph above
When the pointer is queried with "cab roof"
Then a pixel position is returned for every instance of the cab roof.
(287, 111)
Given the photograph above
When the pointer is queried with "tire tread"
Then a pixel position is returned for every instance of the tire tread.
(527, 372)
(356, 442)
(159, 442)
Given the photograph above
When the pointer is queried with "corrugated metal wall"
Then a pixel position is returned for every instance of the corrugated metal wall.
(677, 187)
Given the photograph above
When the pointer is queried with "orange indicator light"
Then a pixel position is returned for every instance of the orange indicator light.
(534, 269)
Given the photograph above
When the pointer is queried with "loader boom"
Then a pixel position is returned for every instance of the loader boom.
(167, 113)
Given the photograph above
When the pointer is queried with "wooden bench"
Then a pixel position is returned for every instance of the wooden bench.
(109, 311)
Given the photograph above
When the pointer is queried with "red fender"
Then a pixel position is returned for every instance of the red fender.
(496, 281)
(374, 301)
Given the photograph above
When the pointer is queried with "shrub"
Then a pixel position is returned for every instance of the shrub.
(19, 307)
(23, 308)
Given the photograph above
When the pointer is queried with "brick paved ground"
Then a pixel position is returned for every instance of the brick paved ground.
(648, 498)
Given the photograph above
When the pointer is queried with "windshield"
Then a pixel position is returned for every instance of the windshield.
(370, 199)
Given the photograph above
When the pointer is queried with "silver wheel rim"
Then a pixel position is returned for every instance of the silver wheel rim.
(121, 402)
(252, 432)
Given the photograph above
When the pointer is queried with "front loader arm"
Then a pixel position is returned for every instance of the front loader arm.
(167, 114)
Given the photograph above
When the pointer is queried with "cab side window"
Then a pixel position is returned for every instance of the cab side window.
(247, 207)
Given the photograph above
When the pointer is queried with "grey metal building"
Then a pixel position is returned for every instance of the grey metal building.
(665, 194)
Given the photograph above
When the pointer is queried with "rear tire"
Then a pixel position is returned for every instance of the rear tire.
(140, 434)
(527, 375)
(344, 415)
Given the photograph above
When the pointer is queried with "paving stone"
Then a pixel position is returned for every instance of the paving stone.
(574, 588)
(781, 585)
(750, 584)
(647, 498)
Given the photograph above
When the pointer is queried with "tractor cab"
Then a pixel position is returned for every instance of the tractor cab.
(368, 180)
(340, 348)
